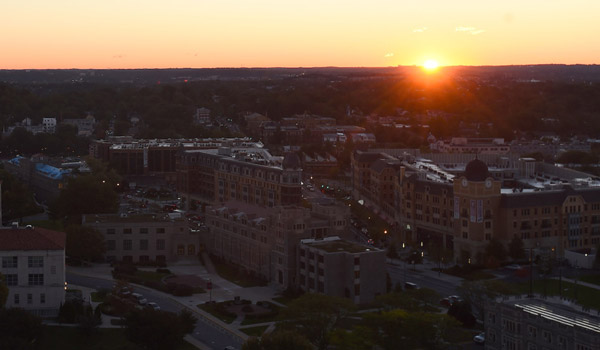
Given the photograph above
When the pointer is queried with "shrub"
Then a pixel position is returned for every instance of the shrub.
(183, 290)
(247, 308)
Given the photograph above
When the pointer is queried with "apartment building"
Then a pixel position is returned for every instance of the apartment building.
(463, 207)
(341, 268)
(33, 265)
(145, 237)
(246, 174)
(540, 323)
(264, 241)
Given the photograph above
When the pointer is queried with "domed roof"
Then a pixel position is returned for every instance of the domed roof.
(291, 161)
(476, 170)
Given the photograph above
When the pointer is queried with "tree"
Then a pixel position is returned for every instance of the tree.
(157, 329)
(495, 250)
(392, 252)
(3, 291)
(281, 340)
(315, 315)
(84, 243)
(476, 293)
(461, 310)
(516, 248)
(19, 329)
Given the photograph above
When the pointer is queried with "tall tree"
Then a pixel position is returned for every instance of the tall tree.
(84, 243)
(315, 315)
(516, 248)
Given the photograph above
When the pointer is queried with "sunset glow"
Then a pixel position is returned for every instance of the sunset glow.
(267, 33)
(431, 65)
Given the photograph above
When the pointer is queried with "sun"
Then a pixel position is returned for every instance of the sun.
(431, 65)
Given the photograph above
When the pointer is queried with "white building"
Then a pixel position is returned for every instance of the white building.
(49, 125)
(33, 265)
(202, 116)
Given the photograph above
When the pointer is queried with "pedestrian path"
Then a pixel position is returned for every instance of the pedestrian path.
(581, 283)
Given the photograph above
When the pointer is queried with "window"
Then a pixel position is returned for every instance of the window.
(12, 279)
(29, 298)
(144, 230)
(35, 261)
(160, 244)
(110, 245)
(36, 279)
(180, 249)
(191, 249)
(110, 231)
(53, 269)
(160, 230)
(144, 258)
(42, 298)
(9, 262)
(143, 244)
(127, 244)
(127, 231)
(16, 299)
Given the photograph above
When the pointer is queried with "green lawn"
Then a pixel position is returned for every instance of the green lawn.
(66, 338)
(218, 312)
(151, 275)
(594, 279)
(255, 331)
(98, 297)
(585, 296)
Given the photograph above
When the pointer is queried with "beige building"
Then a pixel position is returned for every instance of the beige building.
(264, 241)
(145, 237)
(341, 268)
(33, 265)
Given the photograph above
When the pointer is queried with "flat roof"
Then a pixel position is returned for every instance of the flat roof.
(337, 245)
(132, 218)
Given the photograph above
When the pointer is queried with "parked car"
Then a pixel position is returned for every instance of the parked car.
(153, 305)
(513, 267)
(139, 298)
(410, 285)
(479, 338)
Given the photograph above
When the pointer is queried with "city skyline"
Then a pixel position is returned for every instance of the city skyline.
(263, 33)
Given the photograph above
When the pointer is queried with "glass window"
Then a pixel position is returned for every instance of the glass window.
(127, 245)
(180, 249)
(9, 262)
(160, 244)
(17, 299)
(42, 298)
(111, 244)
(12, 279)
(36, 279)
(143, 244)
(127, 230)
(160, 230)
(144, 230)
(35, 261)
(29, 298)
(110, 231)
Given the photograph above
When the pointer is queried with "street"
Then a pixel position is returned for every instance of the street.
(206, 332)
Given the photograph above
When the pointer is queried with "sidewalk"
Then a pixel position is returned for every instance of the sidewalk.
(581, 283)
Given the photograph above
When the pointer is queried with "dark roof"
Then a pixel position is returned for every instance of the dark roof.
(547, 198)
(31, 239)
(381, 164)
(476, 170)
(367, 156)
(291, 161)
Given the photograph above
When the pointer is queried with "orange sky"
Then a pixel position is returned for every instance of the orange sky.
(269, 33)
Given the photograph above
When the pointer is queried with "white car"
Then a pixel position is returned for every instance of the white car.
(139, 298)
(479, 338)
(153, 305)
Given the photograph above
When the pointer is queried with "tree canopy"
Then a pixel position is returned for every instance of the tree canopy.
(157, 330)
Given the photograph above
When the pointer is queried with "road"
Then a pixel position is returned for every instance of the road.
(206, 332)
(401, 272)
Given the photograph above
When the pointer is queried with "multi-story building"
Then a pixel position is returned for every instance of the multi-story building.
(43, 178)
(247, 174)
(49, 125)
(540, 323)
(85, 126)
(264, 241)
(33, 265)
(202, 116)
(323, 164)
(341, 268)
(145, 237)
(153, 157)
(462, 208)
(472, 145)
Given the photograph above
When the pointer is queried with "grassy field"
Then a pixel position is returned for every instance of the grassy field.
(585, 296)
(233, 274)
(255, 331)
(61, 338)
(594, 279)
(151, 275)
(216, 311)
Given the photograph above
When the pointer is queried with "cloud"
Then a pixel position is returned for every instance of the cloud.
(470, 30)
(118, 56)
(419, 30)
(390, 54)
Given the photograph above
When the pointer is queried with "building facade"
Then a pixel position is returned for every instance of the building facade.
(33, 265)
(145, 238)
(341, 268)
(533, 323)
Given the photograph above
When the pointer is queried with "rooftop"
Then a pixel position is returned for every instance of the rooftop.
(336, 245)
(103, 218)
(30, 238)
